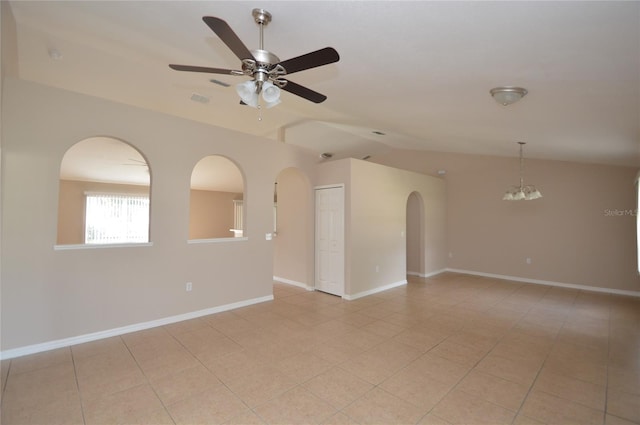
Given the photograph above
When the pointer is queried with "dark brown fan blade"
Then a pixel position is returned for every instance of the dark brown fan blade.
(226, 34)
(302, 91)
(203, 69)
(311, 60)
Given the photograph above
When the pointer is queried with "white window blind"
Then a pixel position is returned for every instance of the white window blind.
(238, 214)
(113, 218)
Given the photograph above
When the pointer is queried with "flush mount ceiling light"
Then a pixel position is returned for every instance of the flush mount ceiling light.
(522, 192)
(507, 95)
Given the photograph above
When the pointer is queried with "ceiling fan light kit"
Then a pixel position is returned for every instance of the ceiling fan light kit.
(507, 95)
(266, 70)
(250, 95)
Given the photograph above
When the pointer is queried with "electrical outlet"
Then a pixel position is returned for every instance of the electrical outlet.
(377, 269)
(528, 260)
(189, 286)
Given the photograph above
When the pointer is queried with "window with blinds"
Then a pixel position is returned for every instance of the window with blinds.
(115, 218)
(238, 218)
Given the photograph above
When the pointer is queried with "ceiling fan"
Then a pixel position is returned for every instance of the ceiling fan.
(266, 70)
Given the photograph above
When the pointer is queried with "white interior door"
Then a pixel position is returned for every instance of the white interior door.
(329, 268)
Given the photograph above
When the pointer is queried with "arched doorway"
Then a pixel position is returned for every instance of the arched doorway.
(415, 235)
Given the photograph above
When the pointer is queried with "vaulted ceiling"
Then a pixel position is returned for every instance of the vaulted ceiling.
(419, 72)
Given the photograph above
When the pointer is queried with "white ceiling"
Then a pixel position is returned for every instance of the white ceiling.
(418, 71)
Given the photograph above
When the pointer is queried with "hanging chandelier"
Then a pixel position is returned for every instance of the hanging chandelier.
(522, 192)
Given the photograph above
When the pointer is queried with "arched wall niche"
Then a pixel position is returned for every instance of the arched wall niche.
(216, 207)
(104, 193)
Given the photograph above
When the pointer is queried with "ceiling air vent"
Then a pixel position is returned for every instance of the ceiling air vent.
(220, 83)
(199, 98)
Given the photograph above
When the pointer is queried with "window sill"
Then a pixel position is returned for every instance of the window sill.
(100, 246)
(217, 240)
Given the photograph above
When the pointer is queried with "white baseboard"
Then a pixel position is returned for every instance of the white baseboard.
(549, 283)
(374, 290)
(434, 273)
(66, 342)
(430, 274)
(293, 282)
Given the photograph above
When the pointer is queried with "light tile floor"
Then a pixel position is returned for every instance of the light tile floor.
(453, 349)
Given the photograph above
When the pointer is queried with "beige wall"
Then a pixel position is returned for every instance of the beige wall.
(9, 42)
(211, 214)
(567, 234)
(293, 253)
(378, 223)
(71, 206)
(50, 294)
(375, 222)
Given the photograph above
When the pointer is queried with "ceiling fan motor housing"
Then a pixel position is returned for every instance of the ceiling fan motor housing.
(266, 66)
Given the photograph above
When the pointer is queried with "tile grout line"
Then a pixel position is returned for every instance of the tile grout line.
(75, 376)
(4, 386)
